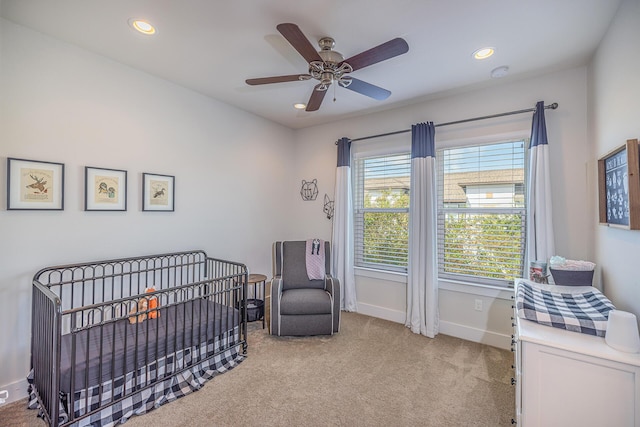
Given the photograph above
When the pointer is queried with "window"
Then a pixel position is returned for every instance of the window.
(481, 212)
(381, 207)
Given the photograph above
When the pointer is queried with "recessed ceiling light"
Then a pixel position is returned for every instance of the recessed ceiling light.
(142, 26)
(483, 53)
(299, 106)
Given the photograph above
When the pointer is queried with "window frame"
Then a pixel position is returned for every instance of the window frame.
(359, 211)
(442, 211)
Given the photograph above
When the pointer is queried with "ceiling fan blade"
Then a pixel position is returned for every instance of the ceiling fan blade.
(368, 89)
(277, 79)
(379, 53)
(316, 99)
(299, 41)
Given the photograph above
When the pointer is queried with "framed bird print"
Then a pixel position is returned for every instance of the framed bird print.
(105, 189)
(158, 193)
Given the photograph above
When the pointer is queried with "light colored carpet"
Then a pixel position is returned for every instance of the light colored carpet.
(373, 373)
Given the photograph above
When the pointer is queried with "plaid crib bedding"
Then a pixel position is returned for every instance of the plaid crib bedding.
(166, 390)
(585, 312)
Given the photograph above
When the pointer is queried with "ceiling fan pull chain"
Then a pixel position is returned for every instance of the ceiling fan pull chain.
(334, 93)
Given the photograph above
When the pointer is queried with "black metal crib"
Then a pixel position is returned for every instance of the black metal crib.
(112, 339)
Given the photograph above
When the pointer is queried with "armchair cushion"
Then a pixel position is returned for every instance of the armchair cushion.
(305, 301)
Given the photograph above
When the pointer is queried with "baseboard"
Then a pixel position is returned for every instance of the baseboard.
(17, 390)
(469, 333)
(381, 312)
(464, 332)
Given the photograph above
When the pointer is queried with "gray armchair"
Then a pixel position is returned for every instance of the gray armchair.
(300, 306)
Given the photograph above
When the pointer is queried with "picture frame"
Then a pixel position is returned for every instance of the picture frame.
(158, 192)
(105, 189)
(619, 187)
(34, 185)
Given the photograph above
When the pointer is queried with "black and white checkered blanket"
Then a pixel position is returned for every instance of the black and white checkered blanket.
(585, 312)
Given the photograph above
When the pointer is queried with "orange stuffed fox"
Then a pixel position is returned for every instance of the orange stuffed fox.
(153, 304)
(145, 308)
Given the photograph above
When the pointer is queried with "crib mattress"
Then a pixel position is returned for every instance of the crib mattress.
(113, 349)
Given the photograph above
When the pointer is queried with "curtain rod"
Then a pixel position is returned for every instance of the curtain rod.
(509, 113)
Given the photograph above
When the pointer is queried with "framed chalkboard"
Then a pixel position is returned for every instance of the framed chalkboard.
(619, 187)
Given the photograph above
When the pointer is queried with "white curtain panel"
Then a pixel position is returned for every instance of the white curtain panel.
(422, 284)
(540, 243)
(342, 235)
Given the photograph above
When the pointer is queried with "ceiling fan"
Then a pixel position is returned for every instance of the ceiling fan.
(329, 66)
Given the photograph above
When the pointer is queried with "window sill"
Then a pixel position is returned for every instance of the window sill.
(381, 274)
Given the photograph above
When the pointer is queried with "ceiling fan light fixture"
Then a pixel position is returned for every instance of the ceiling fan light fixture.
(326, 78)
(299, 106)
(483, 53)
(142, 26)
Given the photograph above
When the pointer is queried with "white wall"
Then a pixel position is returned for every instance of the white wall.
(570, 153)
(614, 101)
(63, 104)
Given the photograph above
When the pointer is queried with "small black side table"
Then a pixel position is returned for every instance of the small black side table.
(258, 281)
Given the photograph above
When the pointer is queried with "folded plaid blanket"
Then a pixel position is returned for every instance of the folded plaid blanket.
(585, 312)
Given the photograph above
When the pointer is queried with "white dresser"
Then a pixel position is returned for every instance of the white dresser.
(566, 379)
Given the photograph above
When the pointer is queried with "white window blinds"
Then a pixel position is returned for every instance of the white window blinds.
(381, 210)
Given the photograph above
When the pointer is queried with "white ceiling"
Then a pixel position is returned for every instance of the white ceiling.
(212, 46)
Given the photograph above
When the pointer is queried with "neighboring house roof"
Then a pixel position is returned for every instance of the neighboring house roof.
(455, 183)
(387, 183)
